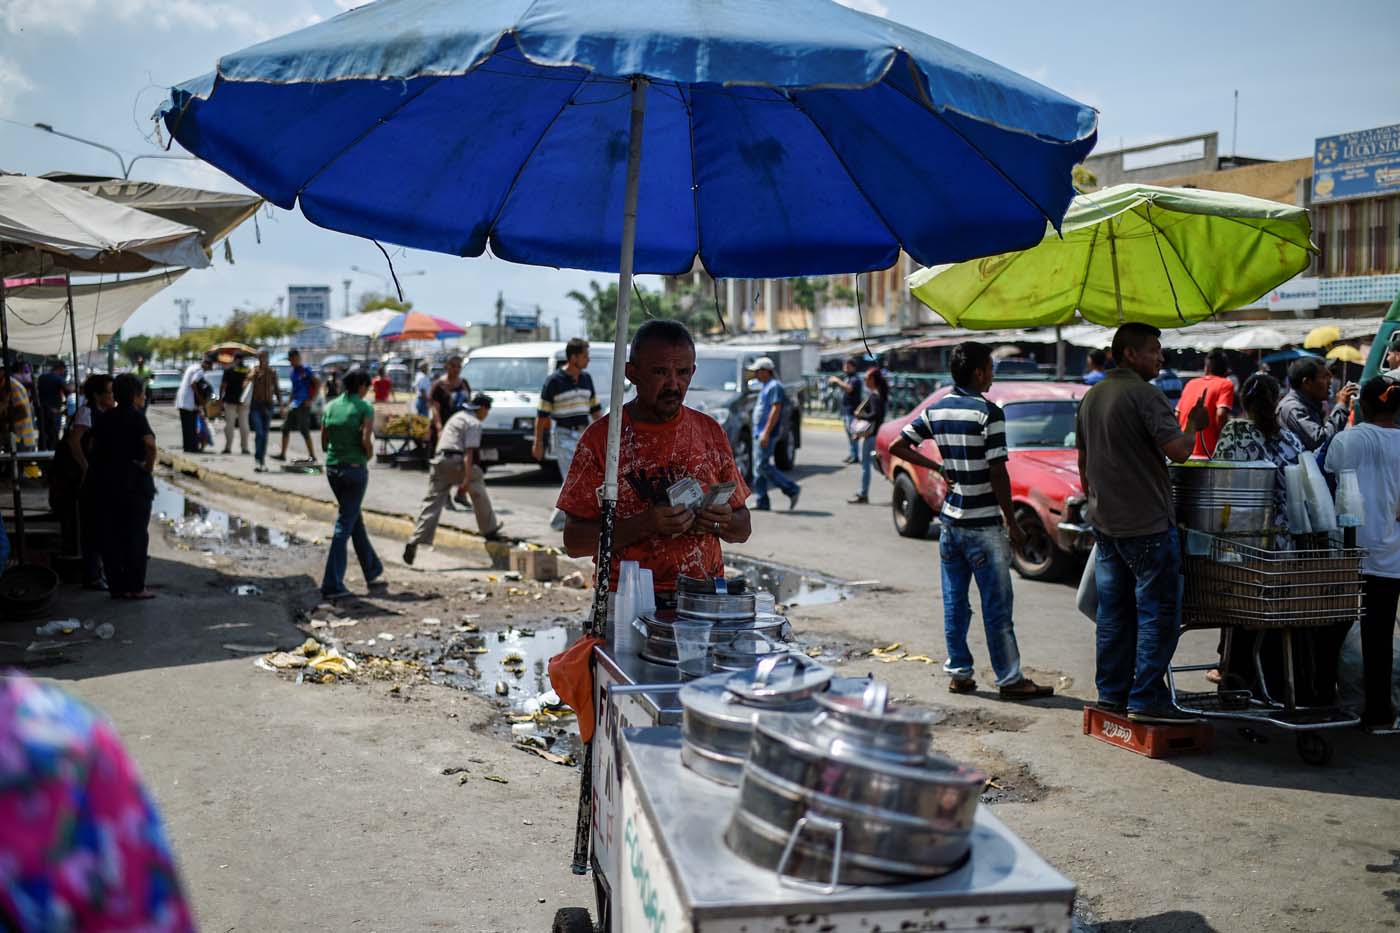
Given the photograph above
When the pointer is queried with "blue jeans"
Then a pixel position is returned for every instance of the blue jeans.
(867, 462)
(855, 444)
(348, 483)
(982, 554)
(260, 419)
(1139, 581)
(764, 473)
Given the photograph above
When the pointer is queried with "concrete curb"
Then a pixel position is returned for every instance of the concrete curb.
(383, 523)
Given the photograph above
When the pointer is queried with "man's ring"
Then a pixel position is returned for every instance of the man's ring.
(716, 526)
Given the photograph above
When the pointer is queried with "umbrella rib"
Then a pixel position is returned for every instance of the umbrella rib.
(1199, 291)
(380, 121)
(1088, 262)
(695, 186)
(847, 169)
(981, 155)
(525, 162)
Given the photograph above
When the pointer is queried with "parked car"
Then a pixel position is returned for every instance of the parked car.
(164, 386)
(1044, 469)
(724, 388)
(513, 374)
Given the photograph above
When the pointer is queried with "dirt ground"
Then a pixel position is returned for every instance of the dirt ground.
(431, 787)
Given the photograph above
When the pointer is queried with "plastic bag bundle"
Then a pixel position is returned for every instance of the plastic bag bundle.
(1320, 511)
(1296, 500)
(1350, 504)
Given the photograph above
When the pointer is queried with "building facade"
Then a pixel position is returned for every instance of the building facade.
(311, 305)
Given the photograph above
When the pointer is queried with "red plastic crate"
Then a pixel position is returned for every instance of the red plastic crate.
(1150, 739)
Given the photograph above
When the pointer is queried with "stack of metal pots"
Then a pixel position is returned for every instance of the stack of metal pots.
(853, 795)
(719, 710)
(732, 615)
(1223, 497)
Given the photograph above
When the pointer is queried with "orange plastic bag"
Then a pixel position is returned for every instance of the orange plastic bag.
(571, 676)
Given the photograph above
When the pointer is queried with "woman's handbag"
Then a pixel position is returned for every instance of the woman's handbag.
(861, 428)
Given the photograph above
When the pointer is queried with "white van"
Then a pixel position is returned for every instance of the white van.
(513, 375)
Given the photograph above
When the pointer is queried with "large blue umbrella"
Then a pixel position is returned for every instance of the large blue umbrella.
(781, 138)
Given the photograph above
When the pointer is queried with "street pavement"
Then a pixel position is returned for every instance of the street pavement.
(1245, 838)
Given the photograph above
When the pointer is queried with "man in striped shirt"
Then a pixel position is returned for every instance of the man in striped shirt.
(569, 400)
(970, 433)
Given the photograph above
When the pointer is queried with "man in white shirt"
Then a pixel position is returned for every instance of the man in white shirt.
(455, 463)
(422, 388)
(1372, 449)
(193, 392)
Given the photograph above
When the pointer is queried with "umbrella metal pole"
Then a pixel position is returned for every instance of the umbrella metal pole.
(14, 448)
(1059, 353)
(72, 326)
(1113, 254)
(583, 832)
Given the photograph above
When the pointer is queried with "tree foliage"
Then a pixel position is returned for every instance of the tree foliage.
(137, 345)
(373, 301)
(257, 327)
(598, 308)
(1084, 178)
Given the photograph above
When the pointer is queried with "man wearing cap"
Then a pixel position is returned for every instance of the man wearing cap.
(767, 414)
(194, 389)
(453, 464)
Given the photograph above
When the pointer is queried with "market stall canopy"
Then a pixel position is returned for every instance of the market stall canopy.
(1259, 337)
(1163, 256)
(38, 314)
(47, 227)
(781, 138)
(369, 324)
(215, 213)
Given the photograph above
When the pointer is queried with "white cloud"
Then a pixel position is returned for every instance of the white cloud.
(12, 84)
(77, 16)
(865, 6)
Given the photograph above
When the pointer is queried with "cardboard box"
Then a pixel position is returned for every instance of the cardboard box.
(534, 565)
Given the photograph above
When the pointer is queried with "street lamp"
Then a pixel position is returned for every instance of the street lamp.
(126, 166)
(388, 282)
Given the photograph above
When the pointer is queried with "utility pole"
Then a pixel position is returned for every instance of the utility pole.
(1235, 130)
(500, 315)
(556, 328)
(184, 305)
(346, 283)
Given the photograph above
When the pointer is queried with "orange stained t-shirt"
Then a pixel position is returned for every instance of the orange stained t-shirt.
(652, 458)
(1217, 392)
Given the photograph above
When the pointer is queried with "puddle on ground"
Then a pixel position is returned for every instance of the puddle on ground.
(189, 520)
(789, 585)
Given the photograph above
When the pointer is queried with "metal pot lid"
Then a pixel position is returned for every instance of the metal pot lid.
(779, 679)
(745, 647)
(801, 735)
(871, 708)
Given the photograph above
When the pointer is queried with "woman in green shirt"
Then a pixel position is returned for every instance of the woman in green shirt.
(347, 438)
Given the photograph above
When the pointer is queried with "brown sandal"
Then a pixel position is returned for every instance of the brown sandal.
(962, 685)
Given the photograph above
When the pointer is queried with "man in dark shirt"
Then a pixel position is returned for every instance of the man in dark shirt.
(568, 404)
(1125, 432)
(449, 393)
(852, 391)
(52, 389)
(970, 432)
(231, 394)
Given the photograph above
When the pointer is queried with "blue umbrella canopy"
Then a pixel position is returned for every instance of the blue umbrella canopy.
(782, 137)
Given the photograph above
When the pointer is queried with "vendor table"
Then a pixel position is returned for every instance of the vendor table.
(660, 862)
(679, 875)
(14, 459)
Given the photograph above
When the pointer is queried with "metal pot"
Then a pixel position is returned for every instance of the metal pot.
(853, 795)
(717, 607)
(745, 649)
(1224, 497)
(659, 644)
(717, 721)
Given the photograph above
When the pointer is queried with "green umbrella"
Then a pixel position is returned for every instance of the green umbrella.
(1163, 256)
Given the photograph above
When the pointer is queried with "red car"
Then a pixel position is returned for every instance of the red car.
(1044, 472)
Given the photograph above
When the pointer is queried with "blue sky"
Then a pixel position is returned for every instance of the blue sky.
(98, 68)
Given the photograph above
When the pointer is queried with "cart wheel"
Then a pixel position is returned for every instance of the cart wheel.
(1314, 749)
(572, 920)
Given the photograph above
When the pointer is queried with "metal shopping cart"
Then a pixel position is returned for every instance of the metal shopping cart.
(1240, 585)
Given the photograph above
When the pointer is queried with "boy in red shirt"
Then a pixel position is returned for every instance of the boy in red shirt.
(1217, 393)
(383, 388)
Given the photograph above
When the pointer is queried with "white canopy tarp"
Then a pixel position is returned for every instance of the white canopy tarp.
(38, 314)
(45, 226)
(370, 324)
